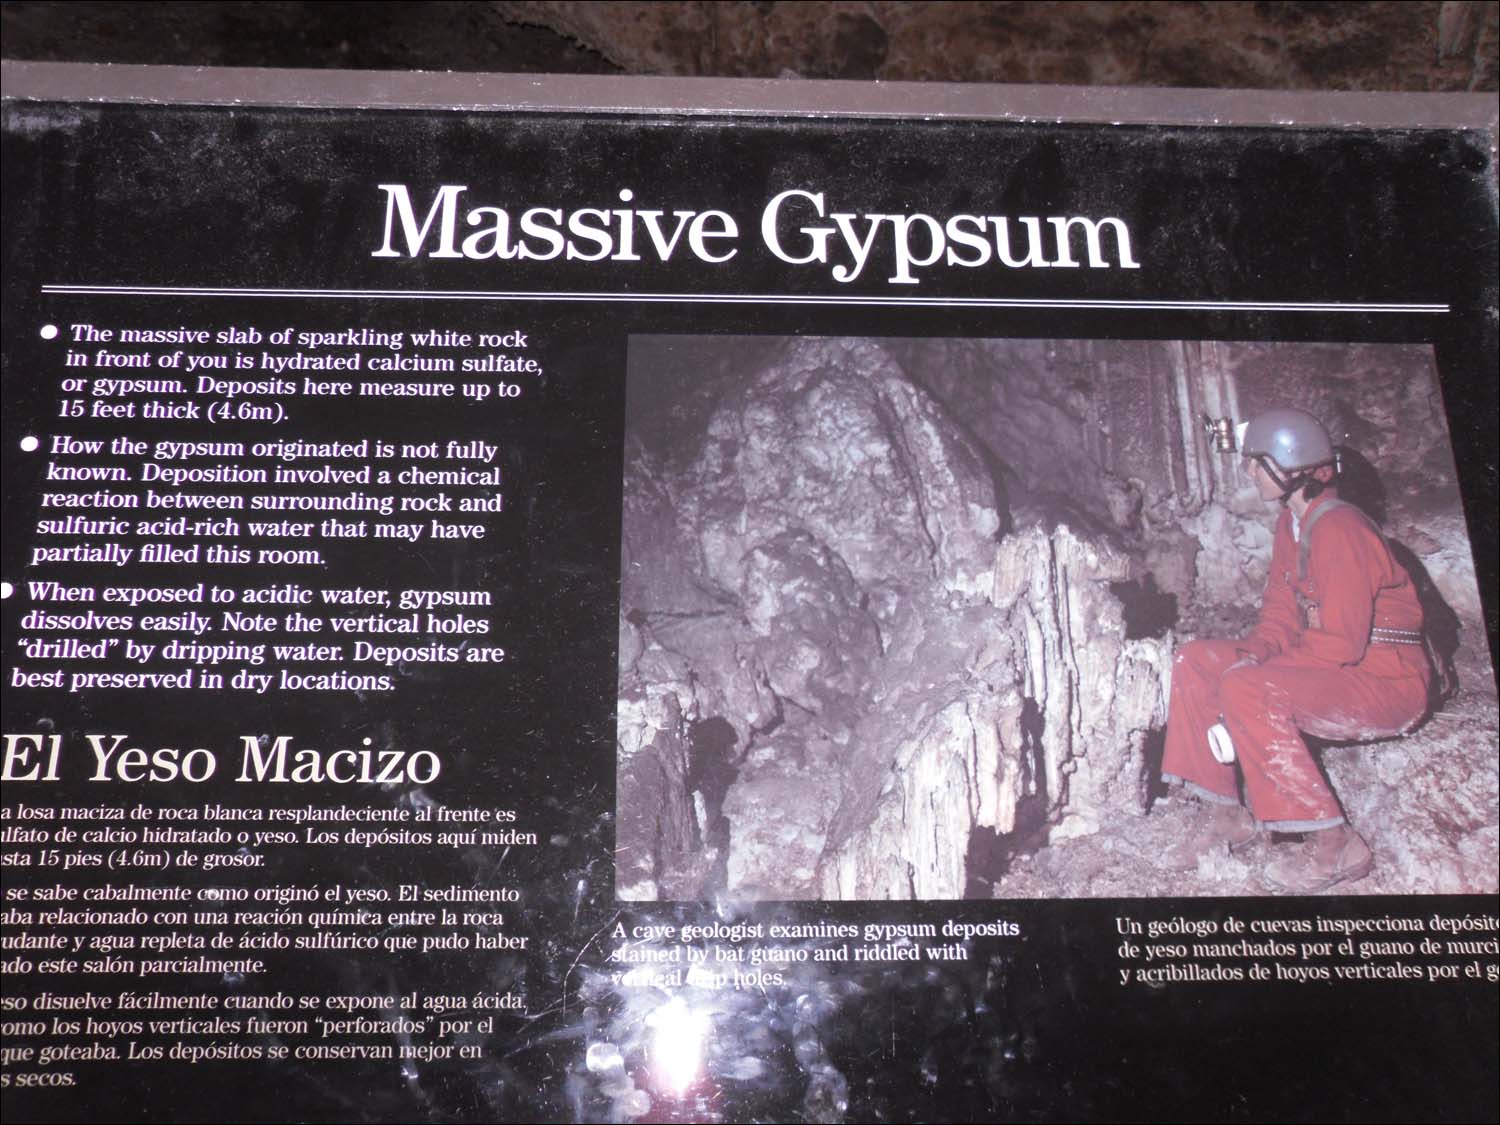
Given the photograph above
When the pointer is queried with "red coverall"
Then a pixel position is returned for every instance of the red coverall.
(1315, 670)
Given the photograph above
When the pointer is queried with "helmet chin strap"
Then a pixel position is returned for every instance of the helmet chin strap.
(1295, 482)
(1288, 484)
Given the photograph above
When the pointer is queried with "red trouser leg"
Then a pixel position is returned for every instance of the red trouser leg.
(1265, 706)
(1195, 706)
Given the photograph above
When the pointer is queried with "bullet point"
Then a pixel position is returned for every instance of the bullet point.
(49, 332)
(6, 590)
(29, 444)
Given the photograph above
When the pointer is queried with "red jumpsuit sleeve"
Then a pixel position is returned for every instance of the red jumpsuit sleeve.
(1346, 568)
(1280, 620)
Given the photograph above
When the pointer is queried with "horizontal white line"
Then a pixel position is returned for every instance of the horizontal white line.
(750, 299)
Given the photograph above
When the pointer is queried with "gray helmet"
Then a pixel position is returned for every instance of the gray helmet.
(1292, 440)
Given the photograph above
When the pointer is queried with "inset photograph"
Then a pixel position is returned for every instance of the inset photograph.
(940, 619)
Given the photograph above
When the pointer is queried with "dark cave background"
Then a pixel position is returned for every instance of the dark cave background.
(1449, 45)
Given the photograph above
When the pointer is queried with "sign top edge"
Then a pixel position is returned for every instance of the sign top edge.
(738, 97)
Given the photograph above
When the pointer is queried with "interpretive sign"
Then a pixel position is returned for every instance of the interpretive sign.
(603, 601)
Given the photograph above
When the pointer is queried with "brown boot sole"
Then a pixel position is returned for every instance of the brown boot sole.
(1340, 874)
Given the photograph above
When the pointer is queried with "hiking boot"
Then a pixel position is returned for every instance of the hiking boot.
(1325, 859)
(1225, 828)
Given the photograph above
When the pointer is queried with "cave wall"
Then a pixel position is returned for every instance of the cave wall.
(1113, 428)
(813, 555)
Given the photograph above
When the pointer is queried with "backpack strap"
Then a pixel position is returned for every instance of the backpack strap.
(1304, 538)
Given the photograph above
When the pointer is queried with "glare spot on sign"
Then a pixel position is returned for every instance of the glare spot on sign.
(677, 1042)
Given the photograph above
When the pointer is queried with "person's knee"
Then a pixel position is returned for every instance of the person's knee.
(1193, 661)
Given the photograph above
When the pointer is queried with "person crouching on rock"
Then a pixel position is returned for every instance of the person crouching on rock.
(1337, 653)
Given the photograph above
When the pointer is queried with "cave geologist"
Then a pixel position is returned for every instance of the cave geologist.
(1337, 653)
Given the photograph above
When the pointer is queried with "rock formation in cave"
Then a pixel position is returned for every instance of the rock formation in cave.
(898, 614)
